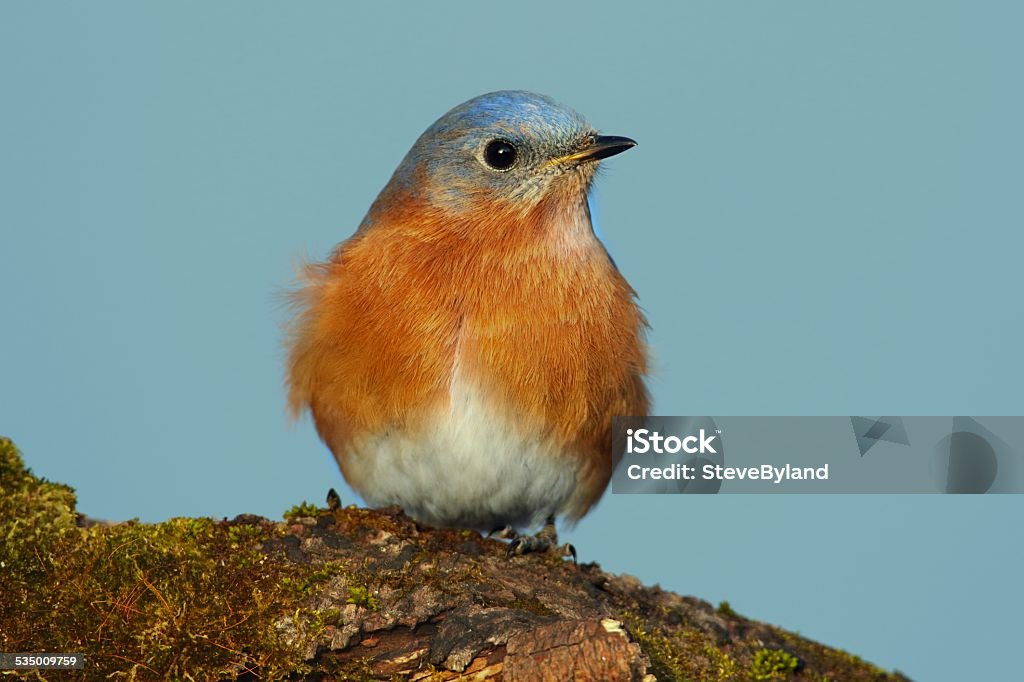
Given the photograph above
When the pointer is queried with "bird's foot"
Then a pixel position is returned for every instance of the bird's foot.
(546, 540)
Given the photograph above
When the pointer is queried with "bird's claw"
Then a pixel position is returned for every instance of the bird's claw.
(514, 548)
(333, 500)
(544, 541)
(504, 533)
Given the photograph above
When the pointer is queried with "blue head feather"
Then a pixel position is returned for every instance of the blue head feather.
(446, 163)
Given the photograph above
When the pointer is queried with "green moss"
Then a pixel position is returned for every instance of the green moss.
(666, 661)
(838, 663)
(851, 661)
(182, 599)
(773, 664)
(35, 514)
(361, 596)
(301, 510)
(723, 667)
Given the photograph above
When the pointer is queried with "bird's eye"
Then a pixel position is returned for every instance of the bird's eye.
(500, 154)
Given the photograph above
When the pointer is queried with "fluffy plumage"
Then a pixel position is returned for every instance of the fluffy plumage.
(463, 353)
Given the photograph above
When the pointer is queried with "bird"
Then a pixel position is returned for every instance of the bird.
(464, 352)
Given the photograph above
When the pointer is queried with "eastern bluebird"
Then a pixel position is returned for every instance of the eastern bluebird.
(464, 352)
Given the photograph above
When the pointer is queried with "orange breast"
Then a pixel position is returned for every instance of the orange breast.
(531, 307)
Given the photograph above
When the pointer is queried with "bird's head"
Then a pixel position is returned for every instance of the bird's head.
(503, 152)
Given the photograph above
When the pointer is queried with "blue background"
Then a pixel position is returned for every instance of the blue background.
(823, 217)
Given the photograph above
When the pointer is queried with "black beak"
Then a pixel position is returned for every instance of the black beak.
(604, 146)
(601, 147)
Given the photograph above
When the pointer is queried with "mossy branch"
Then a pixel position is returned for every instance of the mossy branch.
(351, 594)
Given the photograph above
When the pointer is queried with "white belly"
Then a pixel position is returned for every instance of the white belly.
(470, 468)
